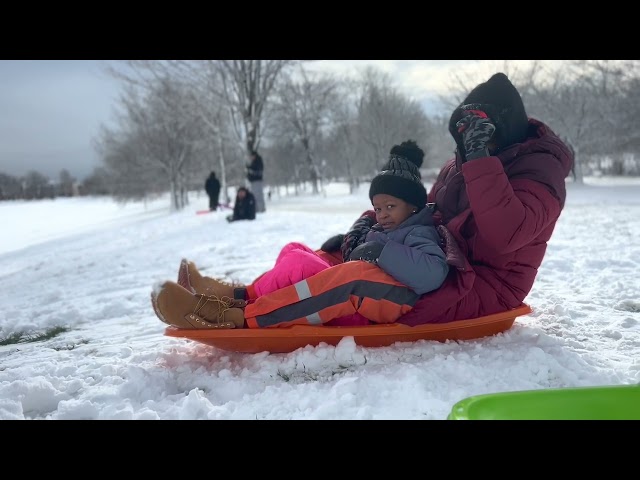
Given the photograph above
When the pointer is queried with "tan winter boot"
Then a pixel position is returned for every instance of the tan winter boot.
(180, 308)
(190, 278)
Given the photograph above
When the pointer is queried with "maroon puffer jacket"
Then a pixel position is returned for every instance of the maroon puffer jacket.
(502, 211)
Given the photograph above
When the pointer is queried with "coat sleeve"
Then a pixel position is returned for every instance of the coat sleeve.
(508, 214)
(419, 262)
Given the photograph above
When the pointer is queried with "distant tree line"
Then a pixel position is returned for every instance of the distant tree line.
(178, 120)
(35, 186)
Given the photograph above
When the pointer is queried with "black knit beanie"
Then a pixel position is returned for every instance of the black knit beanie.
(400, 176)
(501, 101)
(410, 150)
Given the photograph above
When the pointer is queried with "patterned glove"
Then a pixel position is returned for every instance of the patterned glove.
(369, 252)
(357, 234)
(333, 244)
(476, 129)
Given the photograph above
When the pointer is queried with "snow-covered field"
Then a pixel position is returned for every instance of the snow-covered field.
(88, 265)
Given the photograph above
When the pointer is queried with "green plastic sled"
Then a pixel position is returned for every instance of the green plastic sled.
(619, 402)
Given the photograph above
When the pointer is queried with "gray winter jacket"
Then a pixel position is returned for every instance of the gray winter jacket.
(412, 253)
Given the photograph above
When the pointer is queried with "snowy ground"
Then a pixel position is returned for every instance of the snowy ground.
(88, 265)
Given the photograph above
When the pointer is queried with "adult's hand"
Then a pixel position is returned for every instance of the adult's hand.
(477, 129)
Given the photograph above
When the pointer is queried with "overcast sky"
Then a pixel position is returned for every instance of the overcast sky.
(51, 110)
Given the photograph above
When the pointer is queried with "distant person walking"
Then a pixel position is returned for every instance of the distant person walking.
(255, 170)
(212, 187)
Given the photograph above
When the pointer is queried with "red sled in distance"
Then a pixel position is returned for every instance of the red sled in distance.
(203, 212)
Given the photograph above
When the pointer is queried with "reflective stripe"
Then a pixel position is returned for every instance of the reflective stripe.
(302, 288)
(309, 306)
(314, 319)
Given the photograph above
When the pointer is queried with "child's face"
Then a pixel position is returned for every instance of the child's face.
(391, 211)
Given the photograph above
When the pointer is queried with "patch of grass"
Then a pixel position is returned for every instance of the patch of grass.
(11, 339)
(22, 337)
(309, 376)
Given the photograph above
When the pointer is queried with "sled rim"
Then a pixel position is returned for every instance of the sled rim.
(287, 339)
(609, 402)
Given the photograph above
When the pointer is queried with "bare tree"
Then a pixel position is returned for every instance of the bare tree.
(304, 107)
(158, 138)
(387, 117)
(228, 92)
(629, 138)
(97, 183)
(143, 75)
(247, 86)
(441, 145)
(286, 153)
(343, 143)
(461, 82)
(10, 187)
(129, 176)
(578, 102)
(615, 84)
(210, 103)
(37, 186)
(66, 183)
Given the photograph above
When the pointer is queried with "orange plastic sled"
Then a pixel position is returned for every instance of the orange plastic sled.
(288, 339)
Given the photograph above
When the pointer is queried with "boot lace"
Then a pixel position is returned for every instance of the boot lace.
(228, 284)
(222, 303)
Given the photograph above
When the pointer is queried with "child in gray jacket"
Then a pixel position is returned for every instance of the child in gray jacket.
(399, 235)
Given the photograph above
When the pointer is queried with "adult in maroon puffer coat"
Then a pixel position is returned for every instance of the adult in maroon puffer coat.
(500, 198)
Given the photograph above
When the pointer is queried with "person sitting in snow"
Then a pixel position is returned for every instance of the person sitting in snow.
(398, 236)
(497, 202)
(244, 207)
